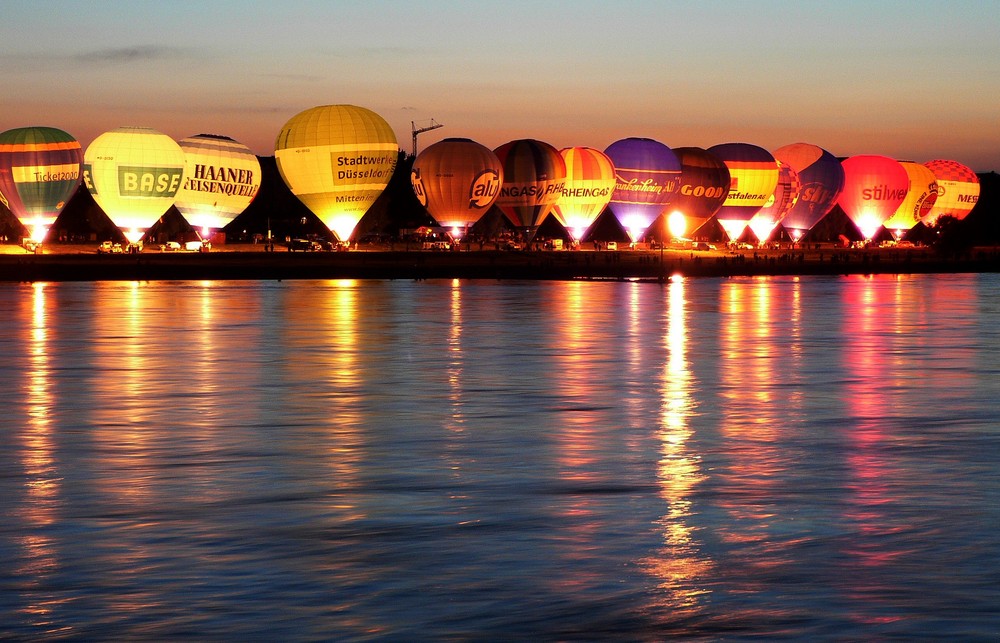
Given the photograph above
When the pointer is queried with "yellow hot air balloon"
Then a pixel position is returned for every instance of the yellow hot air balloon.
(337, 159)
(590, 182)
(918, 202)
(134, 174)
(957, 193)
(221, 178)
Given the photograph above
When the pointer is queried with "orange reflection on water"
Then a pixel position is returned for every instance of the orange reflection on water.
(680, 566)
(40, 507)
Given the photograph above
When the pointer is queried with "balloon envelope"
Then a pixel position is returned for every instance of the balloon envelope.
(753, 174)
(874, 187)
(337, 159)
(920, 198)
(590, 182)
(39, 172)
(221, 178)
(958, 190)
(456, 180)
(534, 174)
(822, 178)
(704, 186)
(134, 174)
(786, 192)
(648, 177)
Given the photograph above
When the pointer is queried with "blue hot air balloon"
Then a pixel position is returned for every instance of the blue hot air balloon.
(648, 176)
(821, 179)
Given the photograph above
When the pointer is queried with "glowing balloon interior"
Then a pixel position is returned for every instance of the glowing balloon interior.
(39, 172)
(337, 159)
(958, 190)
(534, 174)
(134, 174)
(874, 187)
(590, 182)
(456, 180)
(648, 176)
(221, 178)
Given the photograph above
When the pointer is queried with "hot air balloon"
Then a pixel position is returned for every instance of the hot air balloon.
(786, 192)
(919, 199)
(753, 174)
(221, 178)
(39, 172)
(337, 159)
(874, 186)
(456, 180)
(958, 190)
(590, 182)
(134, 174)
(822, 178)
(534, 174)
(648, 177)
(704, 185)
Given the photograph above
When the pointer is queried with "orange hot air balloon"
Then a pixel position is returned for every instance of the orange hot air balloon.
(590, 182)
(786, 193)
(958, 190)
(534, 174)
(874, 186)
(753, 173)
(456, 180)
(918, 202)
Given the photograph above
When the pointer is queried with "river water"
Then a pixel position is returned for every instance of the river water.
(713, 459)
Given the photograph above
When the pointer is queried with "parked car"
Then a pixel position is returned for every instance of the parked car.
(110, 247)
(170, 246)
(303, 245)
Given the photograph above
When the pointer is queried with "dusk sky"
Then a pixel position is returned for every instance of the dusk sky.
(912, 79)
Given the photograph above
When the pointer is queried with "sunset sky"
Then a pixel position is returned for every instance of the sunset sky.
(913, 79)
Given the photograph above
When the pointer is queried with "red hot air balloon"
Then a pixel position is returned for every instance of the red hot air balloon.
(456, 180)
(822, 179)
(958, 190)
(753, 173)
(874, 187)
(704, 186)
(786, 192)
(919, 200)
(590, 182)
(534, 174)
(648, 179)
(39, 172)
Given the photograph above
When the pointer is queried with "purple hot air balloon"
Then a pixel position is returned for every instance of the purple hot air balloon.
(821, 178)
(648, 175)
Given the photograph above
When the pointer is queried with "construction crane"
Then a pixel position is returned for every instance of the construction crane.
(421, 130)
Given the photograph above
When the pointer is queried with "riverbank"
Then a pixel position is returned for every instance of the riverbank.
(247, 261)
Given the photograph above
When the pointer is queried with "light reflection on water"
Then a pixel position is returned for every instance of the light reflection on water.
(712, 458)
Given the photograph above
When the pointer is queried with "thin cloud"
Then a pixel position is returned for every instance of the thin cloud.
(126, 55)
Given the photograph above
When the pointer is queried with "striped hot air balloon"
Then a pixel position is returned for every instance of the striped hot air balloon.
(753, 174)
(590, 182)
(534, 174)
(39, 172)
